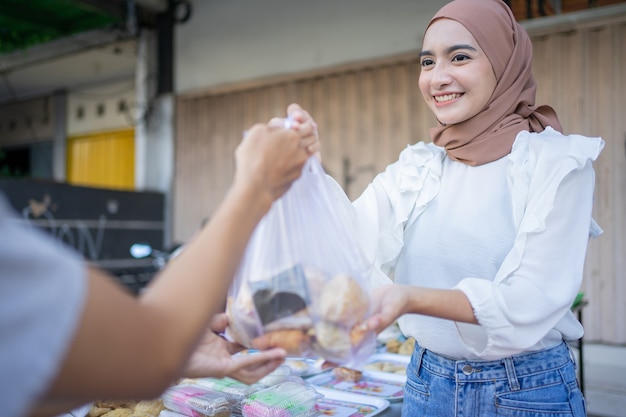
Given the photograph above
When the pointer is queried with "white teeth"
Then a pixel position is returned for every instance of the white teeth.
(446, 97)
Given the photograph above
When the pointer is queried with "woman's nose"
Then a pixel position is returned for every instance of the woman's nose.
(440, 76)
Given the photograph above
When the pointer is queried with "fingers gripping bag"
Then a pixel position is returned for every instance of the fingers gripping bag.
(302, 282)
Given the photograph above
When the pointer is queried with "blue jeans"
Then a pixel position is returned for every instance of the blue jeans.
(527, 385)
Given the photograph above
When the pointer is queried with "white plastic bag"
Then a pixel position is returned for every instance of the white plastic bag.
(302, 282)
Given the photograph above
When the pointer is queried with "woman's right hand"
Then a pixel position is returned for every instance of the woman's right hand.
(301, 119)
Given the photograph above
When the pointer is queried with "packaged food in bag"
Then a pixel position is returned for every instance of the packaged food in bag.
(302, 283)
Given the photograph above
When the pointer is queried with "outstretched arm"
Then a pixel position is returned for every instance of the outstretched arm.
(126, 347)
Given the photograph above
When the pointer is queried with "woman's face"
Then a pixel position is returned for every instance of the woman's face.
(457, 79)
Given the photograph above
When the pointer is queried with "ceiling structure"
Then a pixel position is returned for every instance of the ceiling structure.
(63, 44)
(25, 24)
(49, 45)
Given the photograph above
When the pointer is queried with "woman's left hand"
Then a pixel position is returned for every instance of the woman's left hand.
(388, 304)
(213, 357)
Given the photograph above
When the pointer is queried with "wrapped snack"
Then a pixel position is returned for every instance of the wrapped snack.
(196, 401)
(302, 284)
(287, 399)
(342, 373)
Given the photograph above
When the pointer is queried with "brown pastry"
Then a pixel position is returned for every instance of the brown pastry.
(383, 366)
(119, 412)
(114, 403)
(343, 301)
(95, 411)
(342, 373)
(332, 341)
(393, 345)
(148, 408)
(407, 347)
(358, 333)
(294, 341)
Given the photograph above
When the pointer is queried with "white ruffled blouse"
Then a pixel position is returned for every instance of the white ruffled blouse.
(511, 234)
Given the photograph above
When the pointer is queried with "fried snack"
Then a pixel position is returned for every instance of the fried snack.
(347, 374)
(390, 367)
(343, 301)
(148, 408)
(115, 403)
(98, 411)
(407, 347)
(357, 333)
(333, 341)
(294, 341)
(393, 345)
(119, 412)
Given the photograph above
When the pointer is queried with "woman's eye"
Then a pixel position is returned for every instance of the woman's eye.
(460, 57)
(427, 62)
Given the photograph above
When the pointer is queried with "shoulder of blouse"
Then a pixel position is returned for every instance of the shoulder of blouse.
(539, 163)
(551, 145)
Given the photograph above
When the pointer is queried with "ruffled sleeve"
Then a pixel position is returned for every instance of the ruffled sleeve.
(552, 183)
(392, 201)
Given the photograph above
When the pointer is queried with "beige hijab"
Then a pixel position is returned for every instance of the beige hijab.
(490, 134)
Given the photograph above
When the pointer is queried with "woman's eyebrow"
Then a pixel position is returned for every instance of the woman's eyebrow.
(450, 49)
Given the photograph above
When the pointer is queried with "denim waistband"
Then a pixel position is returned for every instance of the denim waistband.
(509, 368)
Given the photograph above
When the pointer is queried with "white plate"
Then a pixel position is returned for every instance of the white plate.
(380, 385)
(343, 404)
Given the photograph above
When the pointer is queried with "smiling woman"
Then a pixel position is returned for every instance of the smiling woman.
(485, 229)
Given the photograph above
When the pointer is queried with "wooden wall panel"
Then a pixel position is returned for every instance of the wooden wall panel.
(367, 114)
(618, 135)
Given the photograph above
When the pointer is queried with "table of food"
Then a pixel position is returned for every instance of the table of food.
(300, 387)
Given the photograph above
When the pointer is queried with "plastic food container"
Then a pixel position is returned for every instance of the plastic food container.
(196, 401)
(236, 390)
(169, 413)
(287, 399)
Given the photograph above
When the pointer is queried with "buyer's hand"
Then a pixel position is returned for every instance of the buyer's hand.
(270, 158)
(213, 357)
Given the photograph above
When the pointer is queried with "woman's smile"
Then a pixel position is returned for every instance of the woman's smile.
(444, 99)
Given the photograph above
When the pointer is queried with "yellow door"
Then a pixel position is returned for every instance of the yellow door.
(104, 160)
